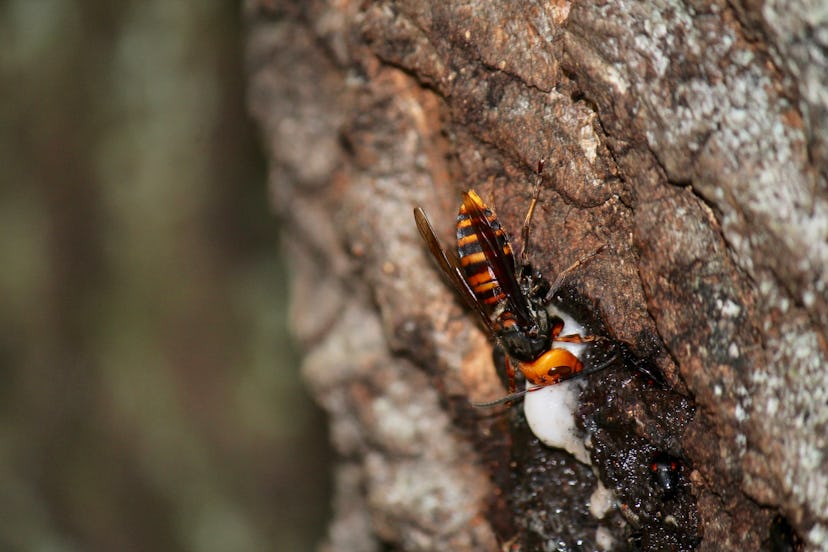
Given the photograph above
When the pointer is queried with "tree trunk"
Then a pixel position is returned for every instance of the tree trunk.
(688, 139)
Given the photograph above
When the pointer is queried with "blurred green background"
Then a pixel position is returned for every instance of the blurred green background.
(149, 393)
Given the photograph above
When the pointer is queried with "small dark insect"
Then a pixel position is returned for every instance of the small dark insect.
(666, 472)
(511, 299)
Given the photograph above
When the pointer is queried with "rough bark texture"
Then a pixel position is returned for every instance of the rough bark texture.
(689, 138)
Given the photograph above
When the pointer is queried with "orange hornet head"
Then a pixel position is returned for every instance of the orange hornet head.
(551, 367)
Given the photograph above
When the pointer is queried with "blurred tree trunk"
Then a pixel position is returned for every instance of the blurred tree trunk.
(689, 138)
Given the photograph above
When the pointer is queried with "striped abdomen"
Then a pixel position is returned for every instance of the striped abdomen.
(474, 221)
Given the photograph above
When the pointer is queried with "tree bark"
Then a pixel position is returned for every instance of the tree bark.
(687, 138)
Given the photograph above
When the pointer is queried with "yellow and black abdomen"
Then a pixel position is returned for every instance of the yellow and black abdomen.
(477, 268)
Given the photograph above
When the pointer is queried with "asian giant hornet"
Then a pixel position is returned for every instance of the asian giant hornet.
(511, 299)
